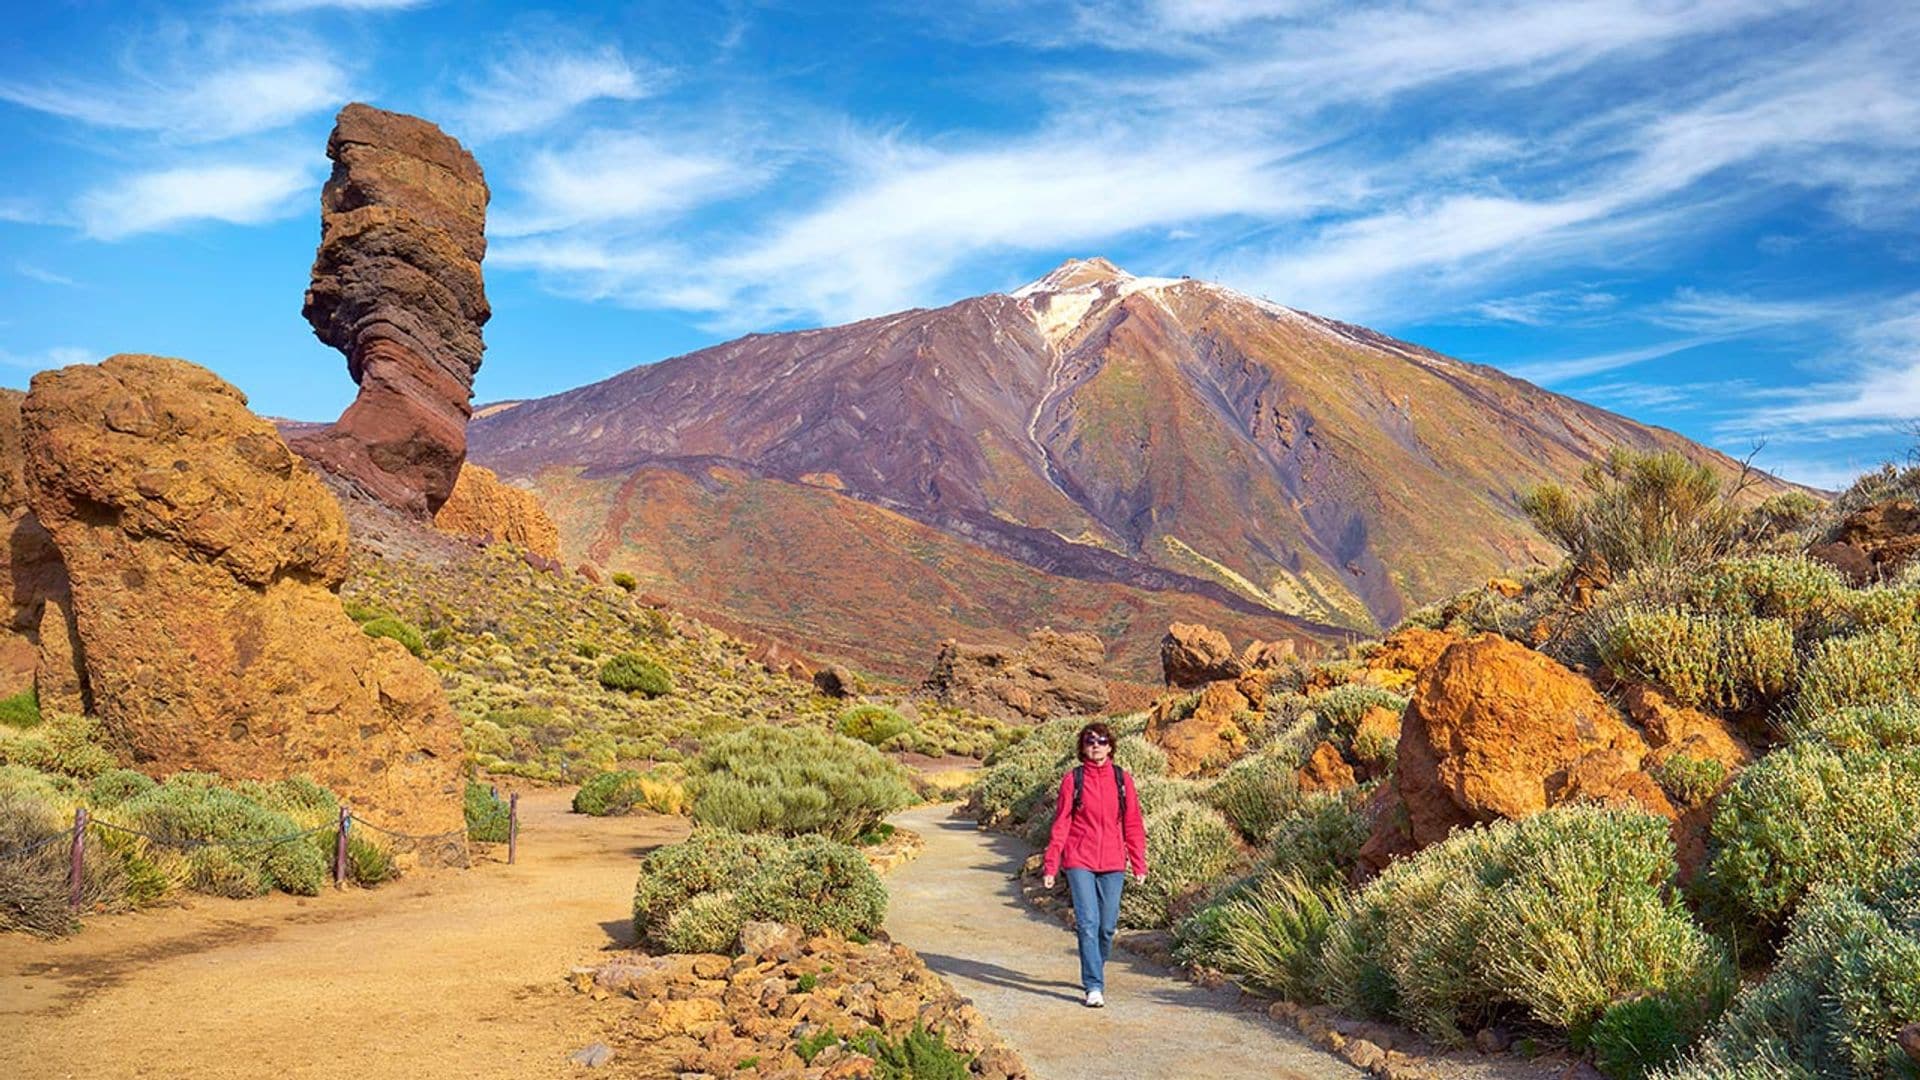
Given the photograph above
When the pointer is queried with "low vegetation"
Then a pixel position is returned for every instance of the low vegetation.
(795, 780)
(695, 896)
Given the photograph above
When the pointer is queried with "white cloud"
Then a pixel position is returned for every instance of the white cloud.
(54, 357)
(1551, 372)
(44, 276)
(1727, 314)
(195, 98)
(236, 193)
(618, 176)
(286, 7)
(1878, 384)
(1544, 307)
(535, 85)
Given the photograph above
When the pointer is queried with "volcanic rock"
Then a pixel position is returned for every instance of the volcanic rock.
(1493, 728)
(836, 681)
(1201, 737)
(37, 646)
(397, 287)
(483, 507)
(1192, 656)
(204, 559)
(1259, 655)
(1055, 675)
(1873, 542)
(1326, 770)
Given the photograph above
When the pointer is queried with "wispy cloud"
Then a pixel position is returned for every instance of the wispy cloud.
(288, 7)
(54, 357)
(619, 176)
(535, 84)
(1551, 372)
(1727, 314)
(234, 192)
(1544, 307)
(44, 276)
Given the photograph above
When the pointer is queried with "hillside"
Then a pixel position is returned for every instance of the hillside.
(1095, 450)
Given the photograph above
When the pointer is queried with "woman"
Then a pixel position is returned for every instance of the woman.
(1097, 837)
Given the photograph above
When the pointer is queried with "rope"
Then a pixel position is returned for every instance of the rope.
(189, 843)
(21, 853)
(409, 836)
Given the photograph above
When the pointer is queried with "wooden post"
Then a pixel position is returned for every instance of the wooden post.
(513, 827)
(340, 849)
(77, 874)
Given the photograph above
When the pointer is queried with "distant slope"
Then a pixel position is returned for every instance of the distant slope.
(1095, 450)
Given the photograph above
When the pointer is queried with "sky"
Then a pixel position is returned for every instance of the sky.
(1703, 215)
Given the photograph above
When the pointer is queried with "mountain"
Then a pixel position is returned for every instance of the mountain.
(1092, 451)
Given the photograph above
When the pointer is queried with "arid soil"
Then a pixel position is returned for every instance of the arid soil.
(441, 974)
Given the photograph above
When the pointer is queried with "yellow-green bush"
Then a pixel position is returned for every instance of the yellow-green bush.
(632, 672)
(871, 724)
(1811, 597)
(1712, 661)
(1320, 837)
(68, 745)
(1638, 510)
(694, 896)
(1560, 914)
(22, 710)
(193, 808)
(1862, 669)
(1255, 793)
(659, 789)
(1892, 725)
(387, 626)
(795, 780)
(1689, 780)
(1272, 933)
(1189, 846)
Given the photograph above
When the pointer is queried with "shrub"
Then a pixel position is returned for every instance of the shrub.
(917, 1055)
(608, 793)
(1846, 979)
(795, 780)
(1255, 794)
(1718, 661)
(694, 896)
(1862, 669)
(22, 710)
(68, 745)
(1806, 815)
(250, 838)
(1560, 913)
(115, 786)
(871, 724)
(625, 580)
(632, 672)
(1810, 597)
(1189, 846)
(1891, 725)
(1343, 706)
(33, 887)
(1640, 509)
(1690, 780)
(586, 650)
(487, 817)
(387, 626)
(1636, 1036)
(1320, 839)
(1273, 932)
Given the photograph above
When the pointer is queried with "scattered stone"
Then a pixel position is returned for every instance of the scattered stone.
(1492, 1040)
(1204, 737)
(836, 681)
(1362, 1054)
(1056, 674)
(1192, 656)
(592, 1056)
(484, 507)
(397, 287)
(1267, 655)
(204, 559)
(768, 939)
(1326, 770)
(1873, 542)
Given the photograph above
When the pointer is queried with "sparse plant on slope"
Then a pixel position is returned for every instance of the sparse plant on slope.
(68, 745)
(1319, 840)
(632, 672)
(387, 626)
(1714, 661)
(1639, 509)
(194, 807)
(1189, 847)
(1256, 793)
(486, 813)
(795, 780)
(871, 724)
(1272, 932)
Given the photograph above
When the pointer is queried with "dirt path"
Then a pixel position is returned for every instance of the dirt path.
(447, 974)
(958, 906)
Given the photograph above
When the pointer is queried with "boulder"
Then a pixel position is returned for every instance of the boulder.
(1201, 738)
(483, 507)
(1873, 542)
(37, 646)
(397, 287)
(1909, 1039)
(836, 681)
(1259, 655)
(1411, 651)
(1192, 656)
(589, 571)
(205, 560)
(1492, 729)
(1326, 770)
(1056, 674)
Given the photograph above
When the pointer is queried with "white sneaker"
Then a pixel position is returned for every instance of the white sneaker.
(1096, 1000)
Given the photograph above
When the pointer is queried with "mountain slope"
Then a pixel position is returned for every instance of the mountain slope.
(1171, 442)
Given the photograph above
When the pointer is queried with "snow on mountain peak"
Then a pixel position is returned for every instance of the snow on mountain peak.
(1062, 299)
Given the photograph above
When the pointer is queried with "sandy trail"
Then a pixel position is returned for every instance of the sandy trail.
(957, 905)
(444, 974)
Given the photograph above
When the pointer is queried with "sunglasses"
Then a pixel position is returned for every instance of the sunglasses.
(1095, 740)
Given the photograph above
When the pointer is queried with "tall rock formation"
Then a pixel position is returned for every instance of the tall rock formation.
(205, 560)
(38, 648)
(397, 288)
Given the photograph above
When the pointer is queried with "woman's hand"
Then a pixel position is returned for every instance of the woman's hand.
(1140, 878)
(1047, 881)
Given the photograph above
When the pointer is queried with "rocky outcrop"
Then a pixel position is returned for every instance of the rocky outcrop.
(204, 559)
(1873, 542)
(1055, 675)
(836, 681)
(1326, 770)
(1265, 655)
(482, 507)
(37, 646)
(1192, 656)
(1200, 733)
(397, 287)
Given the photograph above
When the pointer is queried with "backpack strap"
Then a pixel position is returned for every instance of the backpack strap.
(1120, 789)
(1079, 784)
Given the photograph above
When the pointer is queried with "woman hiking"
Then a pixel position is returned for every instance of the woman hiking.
(1097, 837)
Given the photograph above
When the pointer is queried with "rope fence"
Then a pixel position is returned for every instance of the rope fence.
(83, 820)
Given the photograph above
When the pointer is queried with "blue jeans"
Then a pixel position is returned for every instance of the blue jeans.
(1096, 911)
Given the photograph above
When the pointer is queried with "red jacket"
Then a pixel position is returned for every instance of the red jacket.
(1097, 838)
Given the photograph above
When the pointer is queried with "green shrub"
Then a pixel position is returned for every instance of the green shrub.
(586, 650)
(1273, 932)
(1885, 606)
(1810, 597)
(1691, 781)
(1809, 814)
(694, 896)
(1636, 1036)
(795, 780)
(363, 613)
(871, 724)
(1893, 725)
(487, 816)
(115, 786)
(22, 710)
(1255, 794)
(625, 580)
(1715, 661)
(1319, 840)
(33, 887)
(1846, 979)
(193, 809)
(387, 626)
(1561, 913)
(68, 745)
(1342, 707)
(608, 793)
(1639, 510)
(632, 672)
(1189, 846)
(1864, 669)
(917, 1055)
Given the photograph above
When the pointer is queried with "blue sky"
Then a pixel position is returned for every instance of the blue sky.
(1704, 215)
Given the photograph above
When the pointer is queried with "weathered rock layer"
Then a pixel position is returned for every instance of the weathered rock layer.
(481, 506)
(1055, 675)
(397, 287)
(204, 559)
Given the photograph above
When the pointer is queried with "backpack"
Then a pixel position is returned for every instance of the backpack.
(1120, 788)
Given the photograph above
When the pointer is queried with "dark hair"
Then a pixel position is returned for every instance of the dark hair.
(1095, 728)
